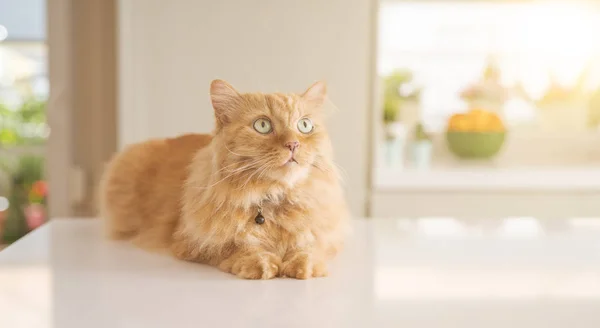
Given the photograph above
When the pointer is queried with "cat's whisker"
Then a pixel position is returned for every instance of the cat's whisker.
(223, 179)
(250, 177)
(223, 168)
(324, 169)
(263, 172)
(218, 207)
(253, 163)
(260, 169)
(236, 154)
(340, 171)
(332, 168)
(246, 182)
(238, 170)
(229, 150)
(316, 164)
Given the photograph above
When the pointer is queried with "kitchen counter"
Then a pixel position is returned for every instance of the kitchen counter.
(436, 272)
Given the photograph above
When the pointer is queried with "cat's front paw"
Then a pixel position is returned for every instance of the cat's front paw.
(304, 266)
(255, 266)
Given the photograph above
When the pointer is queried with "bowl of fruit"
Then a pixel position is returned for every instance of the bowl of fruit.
(478, 134)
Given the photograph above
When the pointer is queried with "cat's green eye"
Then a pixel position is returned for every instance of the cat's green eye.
(263, 125)
(305, 125)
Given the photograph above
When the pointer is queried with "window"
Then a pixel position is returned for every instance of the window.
(531, 68)
(23, 130)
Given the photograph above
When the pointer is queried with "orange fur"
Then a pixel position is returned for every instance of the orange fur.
(197, 196)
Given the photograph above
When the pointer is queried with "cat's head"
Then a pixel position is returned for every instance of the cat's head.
(269, 136)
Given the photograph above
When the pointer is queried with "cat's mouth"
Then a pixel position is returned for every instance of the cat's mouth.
(291, 161)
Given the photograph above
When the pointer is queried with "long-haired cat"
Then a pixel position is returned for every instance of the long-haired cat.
(259, 198)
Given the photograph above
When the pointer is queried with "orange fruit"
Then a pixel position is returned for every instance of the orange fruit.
(476, 120)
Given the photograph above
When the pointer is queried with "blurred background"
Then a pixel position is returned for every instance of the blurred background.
(456, 108)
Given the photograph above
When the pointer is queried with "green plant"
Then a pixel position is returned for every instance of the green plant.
(15, 224)
(30, 169)
(27, 171)
(24, 125)
(391, 110)
(393, 95)
(7, 133)
(421, 134)
(32, 111)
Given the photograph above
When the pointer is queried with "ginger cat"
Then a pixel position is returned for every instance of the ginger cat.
(259, 198)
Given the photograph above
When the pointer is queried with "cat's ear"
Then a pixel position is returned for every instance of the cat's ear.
(224, 100)
(315, 95)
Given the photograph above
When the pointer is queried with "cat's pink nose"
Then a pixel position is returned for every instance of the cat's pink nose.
(292, 145)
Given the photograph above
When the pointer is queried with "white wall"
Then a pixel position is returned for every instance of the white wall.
(171, 50)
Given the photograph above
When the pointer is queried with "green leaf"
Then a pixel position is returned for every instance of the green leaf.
(8, 137)
(392, 99)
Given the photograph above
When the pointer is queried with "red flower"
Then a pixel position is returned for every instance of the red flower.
(40, 188)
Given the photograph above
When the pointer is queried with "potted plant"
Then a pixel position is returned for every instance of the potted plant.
(398, 95)
(27, 198)
(22, 126)
(4, 188)
(35, 210)
(487, 91)
(422, 147)
(395, 132)
(15, 225)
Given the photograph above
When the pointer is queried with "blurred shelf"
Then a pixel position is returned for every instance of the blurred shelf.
(488, 179)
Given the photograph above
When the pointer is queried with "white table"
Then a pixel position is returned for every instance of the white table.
(393, 273)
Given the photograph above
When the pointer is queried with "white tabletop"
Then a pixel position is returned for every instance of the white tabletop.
(393, 273)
